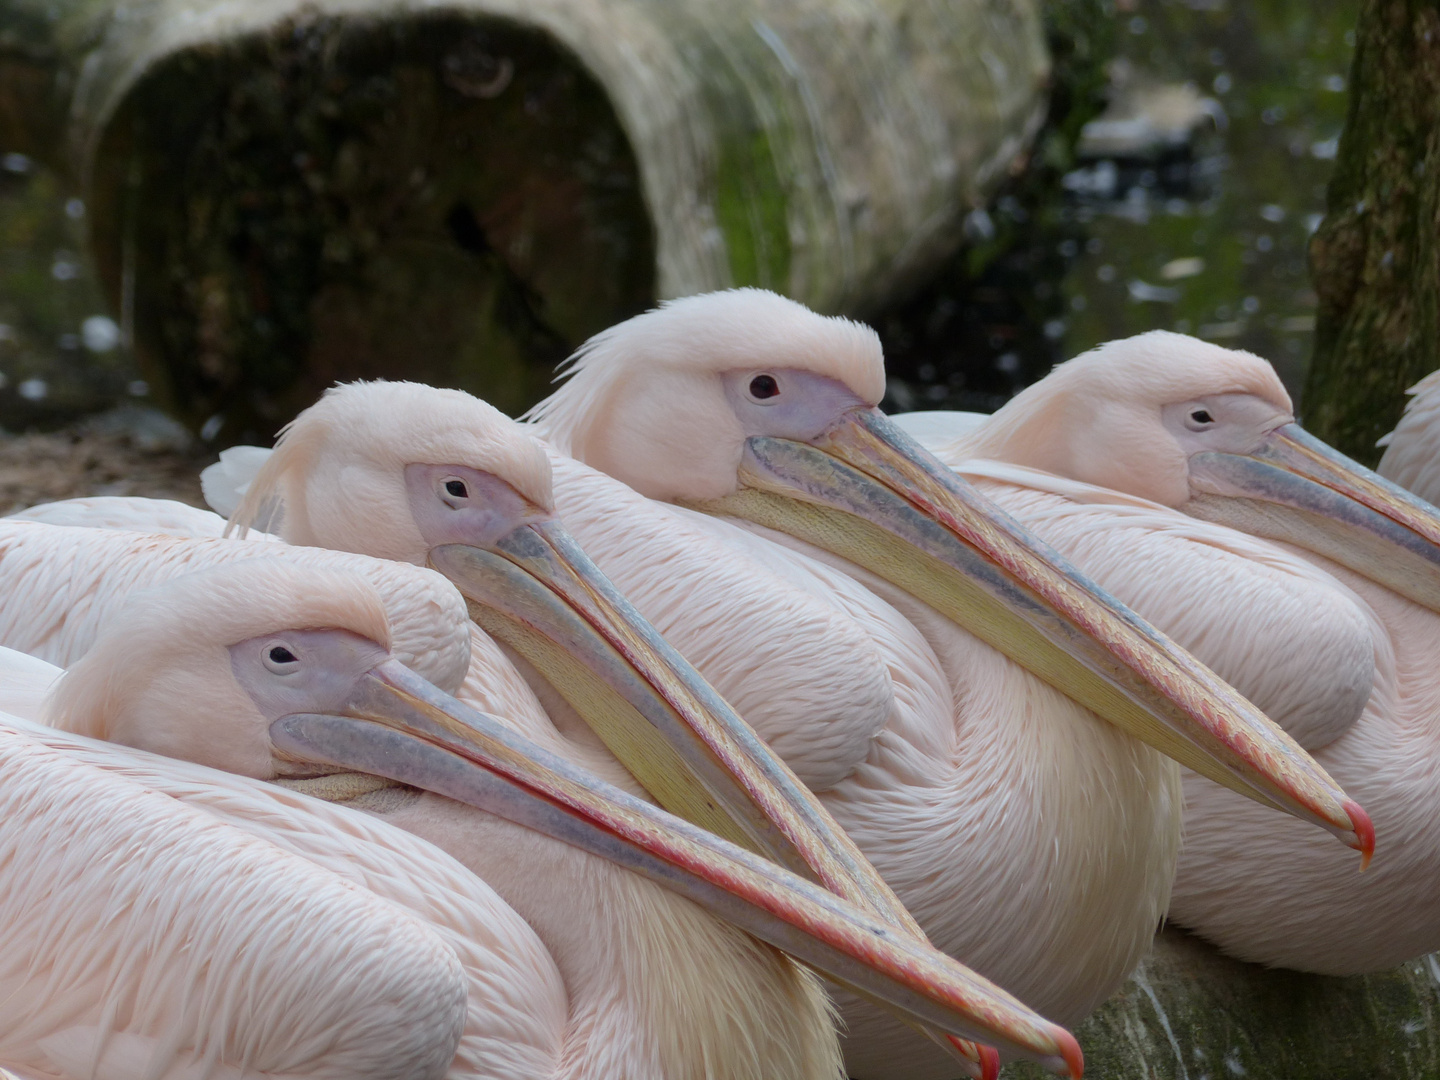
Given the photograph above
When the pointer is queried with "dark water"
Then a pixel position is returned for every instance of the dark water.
(1207, 239)
(60, 352)
(1246, 208)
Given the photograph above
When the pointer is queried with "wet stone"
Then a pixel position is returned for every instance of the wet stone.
(1190, 1013)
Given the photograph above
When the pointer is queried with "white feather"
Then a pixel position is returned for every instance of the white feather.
(1412, 450)
(131, 514)
(938, 426)
(225, 483)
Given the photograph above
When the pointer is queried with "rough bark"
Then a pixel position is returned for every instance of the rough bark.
(1375, 259)
(1190, 1013)
(284, 192)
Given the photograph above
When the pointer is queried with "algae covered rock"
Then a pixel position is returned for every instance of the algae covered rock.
(1190, 1013)
(286, 192)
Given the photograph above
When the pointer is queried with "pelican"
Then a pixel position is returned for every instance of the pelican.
(531, 586)
(859, 698)
(674, 404)
(514, 997)
(1172, 470)
(141, 937)
(1412, 450)
(632, 1000)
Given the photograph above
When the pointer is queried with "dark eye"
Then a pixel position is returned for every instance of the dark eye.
(764, 386)
(456, 488)
(281, 655)
(1200, 416)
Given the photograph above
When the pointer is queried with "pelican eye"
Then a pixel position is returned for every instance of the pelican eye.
(280, 660)
(456, 488)
(1201, 416)
(764, 386)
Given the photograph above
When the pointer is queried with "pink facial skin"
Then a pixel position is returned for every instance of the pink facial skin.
(452, 504)
(303, 671)
(783, 403)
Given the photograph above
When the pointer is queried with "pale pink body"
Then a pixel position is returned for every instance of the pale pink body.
(1346, 665)
(574, 967)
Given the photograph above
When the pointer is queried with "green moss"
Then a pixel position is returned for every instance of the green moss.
(751, 208)
(751, 195)
(1190, 1013)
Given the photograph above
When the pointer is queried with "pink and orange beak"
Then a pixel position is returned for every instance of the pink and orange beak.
(1293, 487)
(867, 492)
(396, 725)
(535, 589)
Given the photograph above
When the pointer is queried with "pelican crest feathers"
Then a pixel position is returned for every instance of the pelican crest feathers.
(156, 630)
(383, 427)
(707, 334)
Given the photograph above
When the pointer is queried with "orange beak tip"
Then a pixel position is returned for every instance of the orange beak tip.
(1070, 1052)
(989, 1062)
(976, 1058)
(1364, 831)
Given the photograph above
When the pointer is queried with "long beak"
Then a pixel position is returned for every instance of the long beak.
(399, 726)
(536, 590)
(1295, 488)
(867, 492)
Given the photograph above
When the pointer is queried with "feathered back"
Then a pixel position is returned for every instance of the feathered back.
(517, 1001)
(198, 616)
(61, 584)
(709, 333)
(386, 426)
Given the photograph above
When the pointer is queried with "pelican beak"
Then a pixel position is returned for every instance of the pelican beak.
(536, 590)
(867, 492)
(397, 725)
(1294, 488)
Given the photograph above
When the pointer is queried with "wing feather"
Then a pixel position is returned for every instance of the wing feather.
(1412, 450)
(132, 513)
(1287, 635)
(116, 901)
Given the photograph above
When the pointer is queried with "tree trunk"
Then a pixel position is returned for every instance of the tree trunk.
(1375, 259)
(287, 192)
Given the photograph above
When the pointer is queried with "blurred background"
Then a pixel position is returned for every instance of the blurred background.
(1174, 182)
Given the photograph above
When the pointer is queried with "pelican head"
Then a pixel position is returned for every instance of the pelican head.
(199, 668)
(394, 469)
(1212, 432)
(276, 670)
(747, 404)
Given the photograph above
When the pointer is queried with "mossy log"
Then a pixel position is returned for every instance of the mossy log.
(1375, 260)
(1190, 1013)
(286, 192)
